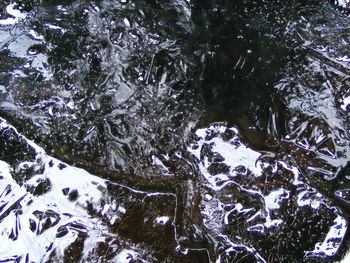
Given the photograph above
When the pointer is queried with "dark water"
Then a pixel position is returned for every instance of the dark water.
(174, 131)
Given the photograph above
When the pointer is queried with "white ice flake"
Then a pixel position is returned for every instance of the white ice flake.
(331, 244)
(16, 16)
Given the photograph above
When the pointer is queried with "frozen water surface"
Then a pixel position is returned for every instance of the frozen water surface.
(174, 131)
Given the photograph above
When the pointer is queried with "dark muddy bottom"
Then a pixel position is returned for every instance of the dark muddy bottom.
(174, 131)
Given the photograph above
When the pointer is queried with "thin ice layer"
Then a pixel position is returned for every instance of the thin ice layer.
(73, 215)
(263, 203)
